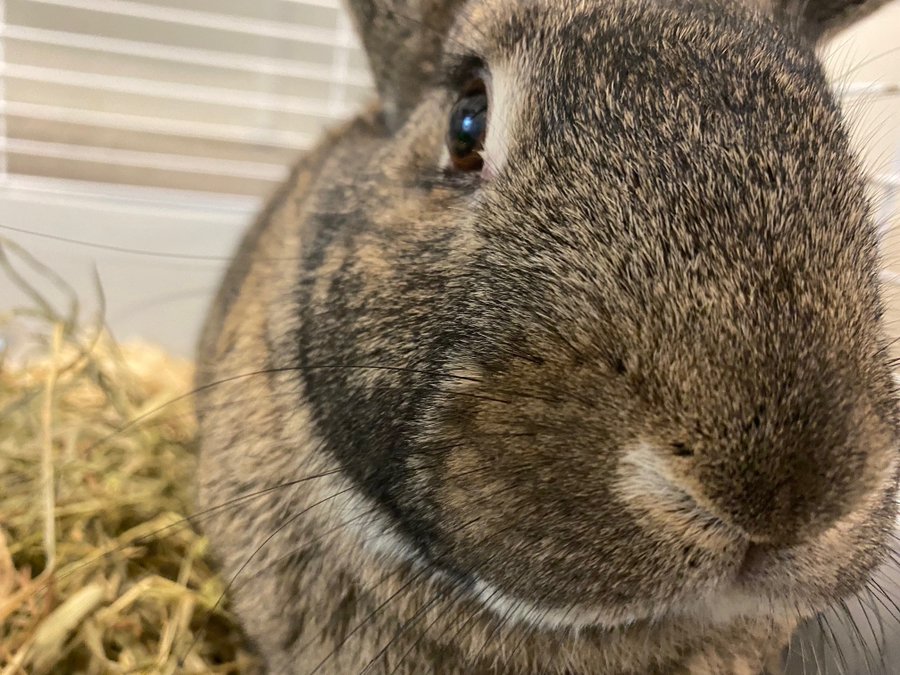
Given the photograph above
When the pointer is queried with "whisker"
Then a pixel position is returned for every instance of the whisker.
(267, 371)
(406, 625)
(882, 640)
(428, 567)
(893, 609)
(868, 61)
(253, 555)
(464, 589)
(460, 592)
(847, 618)
(820, 649)
(118, 249)
(528, 631)
(498, 624)
(480, 608)
(483, 606)
(802, 639)
(841, 663)
(406, 585)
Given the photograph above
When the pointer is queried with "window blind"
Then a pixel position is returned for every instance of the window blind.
(214, 96)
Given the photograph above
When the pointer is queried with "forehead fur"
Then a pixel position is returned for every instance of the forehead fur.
(591, 68)
(677, 151)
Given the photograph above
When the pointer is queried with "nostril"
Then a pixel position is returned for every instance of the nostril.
(682, 450)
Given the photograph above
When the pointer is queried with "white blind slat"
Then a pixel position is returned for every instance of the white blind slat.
(119, 122)
(184, 56)
(149, 160)
(205, 20)
(126, 91)
(189, 93)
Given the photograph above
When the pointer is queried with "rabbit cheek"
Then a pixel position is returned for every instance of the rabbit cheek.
(527, 504)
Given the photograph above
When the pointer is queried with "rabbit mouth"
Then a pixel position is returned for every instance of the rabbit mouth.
(733, 574)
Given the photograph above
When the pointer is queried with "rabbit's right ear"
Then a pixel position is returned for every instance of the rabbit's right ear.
(820, 18)
(403, 40)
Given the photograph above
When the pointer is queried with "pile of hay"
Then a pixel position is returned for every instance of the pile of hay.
(99, 570)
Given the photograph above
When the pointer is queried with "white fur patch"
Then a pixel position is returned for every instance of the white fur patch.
(645, 472)
(518, 611)
(717, 606)
(502, 118)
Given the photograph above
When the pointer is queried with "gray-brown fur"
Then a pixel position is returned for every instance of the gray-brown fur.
(674, 268)
(404, 39)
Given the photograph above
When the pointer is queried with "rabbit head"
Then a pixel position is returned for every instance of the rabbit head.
(590, 315)
(646, 299)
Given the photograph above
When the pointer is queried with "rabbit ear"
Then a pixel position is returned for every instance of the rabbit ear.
(403, 39)
(821, 18)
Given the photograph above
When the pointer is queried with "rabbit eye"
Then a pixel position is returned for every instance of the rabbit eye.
(468, 127)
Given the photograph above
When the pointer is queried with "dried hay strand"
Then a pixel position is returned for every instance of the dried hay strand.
(100, 572)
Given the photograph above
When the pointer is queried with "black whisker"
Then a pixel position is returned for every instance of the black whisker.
(118, 249)
(846, 618)
(256, 552)
(265, 371)
(403, 628)
(450, 597)
(427, 567)
(841, 663)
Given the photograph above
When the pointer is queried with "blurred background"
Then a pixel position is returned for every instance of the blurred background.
(139, 137)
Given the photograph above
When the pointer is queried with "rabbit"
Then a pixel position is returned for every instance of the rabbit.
(566, 356)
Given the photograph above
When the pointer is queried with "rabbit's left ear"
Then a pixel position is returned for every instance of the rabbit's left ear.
(403, 40)
(822, 18)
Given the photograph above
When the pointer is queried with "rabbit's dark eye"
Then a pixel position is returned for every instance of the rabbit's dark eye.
(468, 127)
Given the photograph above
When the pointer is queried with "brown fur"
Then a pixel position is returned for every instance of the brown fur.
(636, 380)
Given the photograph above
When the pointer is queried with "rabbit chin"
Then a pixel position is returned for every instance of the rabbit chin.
(721, 606)
(710, 601)
(781, 586)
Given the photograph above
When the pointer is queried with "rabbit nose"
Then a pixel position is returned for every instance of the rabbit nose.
(781, 484)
